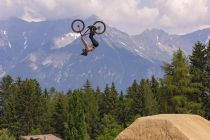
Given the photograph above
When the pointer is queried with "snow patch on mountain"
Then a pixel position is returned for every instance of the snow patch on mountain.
(10, 45)
(3, 32)
(32, 57)
(58, 77)
(141, 47)
(165, 48)
(4, 41)
(55, 60)
(25, 40)
(123, 43)
(64, 40)
(33, 66)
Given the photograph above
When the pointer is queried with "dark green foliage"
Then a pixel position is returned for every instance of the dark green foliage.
(133, 90)
(200, 61)
(59, 115)
(109, 99)
(110, 128)
(49, 105)
(141, 100)
(198, 58)
(4, 91)
(207, 84)
(178, 93)
(207, 70)
(124, 110)
(5, 135)
(91, 106)
(35, 132)
(104, 107)
(154, 85)
(113, 99)
(136, 98)
(76, 126)
(150, 106)
(24, 107)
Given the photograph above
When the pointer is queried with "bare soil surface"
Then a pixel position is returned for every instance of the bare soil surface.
(167, 127)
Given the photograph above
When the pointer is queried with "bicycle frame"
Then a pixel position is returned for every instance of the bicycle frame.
(85, 33)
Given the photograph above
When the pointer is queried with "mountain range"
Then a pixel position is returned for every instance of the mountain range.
(49, 51)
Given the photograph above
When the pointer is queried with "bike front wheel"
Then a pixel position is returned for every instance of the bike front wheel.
(78, 25)
(100, 27)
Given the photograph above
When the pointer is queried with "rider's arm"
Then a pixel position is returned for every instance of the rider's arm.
(84, 42)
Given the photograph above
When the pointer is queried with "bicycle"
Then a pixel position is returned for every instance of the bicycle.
(78, 26)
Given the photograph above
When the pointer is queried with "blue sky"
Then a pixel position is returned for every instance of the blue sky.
(131, 16)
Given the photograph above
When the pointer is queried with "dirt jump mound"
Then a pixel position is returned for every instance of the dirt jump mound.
(167, 127)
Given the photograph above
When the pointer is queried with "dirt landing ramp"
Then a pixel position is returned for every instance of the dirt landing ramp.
(167, 127)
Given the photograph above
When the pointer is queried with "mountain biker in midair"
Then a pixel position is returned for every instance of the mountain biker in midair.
(88, 47)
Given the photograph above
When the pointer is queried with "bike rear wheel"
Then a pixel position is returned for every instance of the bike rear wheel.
(101, 27)
(78, 25)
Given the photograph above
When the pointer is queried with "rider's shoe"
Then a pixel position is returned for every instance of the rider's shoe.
(92, 26)
(92, 29)
(84, 52)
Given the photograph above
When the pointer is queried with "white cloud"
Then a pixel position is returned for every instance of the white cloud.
(132, 16)
(183, 15)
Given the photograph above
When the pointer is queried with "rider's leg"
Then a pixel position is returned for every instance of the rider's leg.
(84, 51)
(88, 47)
(85, 43)
(92, 33)
(94, 42)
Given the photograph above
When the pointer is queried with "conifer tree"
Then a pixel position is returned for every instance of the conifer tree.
(103, 107)
(91, 106)
(207, 70)
(208, 63)
(124, 108)
(154, 85)
(138, 104)
(59, 115)
(110, 128)
(12, 122)
(206, 98)
(135, 97)
(149, 101)
(76, 127)
(109, 100)
(208, 77)
(198, 57)
(25, 107)
(113, 100)
(4, 90)
(179, 94)
(198, 61)
(133, 90)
